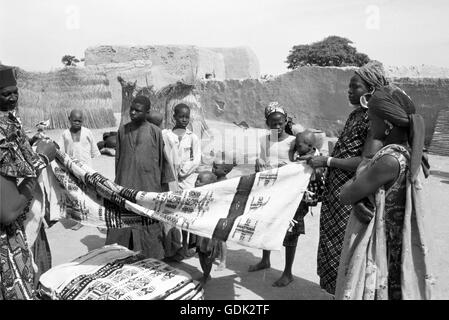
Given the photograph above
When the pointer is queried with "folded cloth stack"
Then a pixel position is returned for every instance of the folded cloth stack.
(115, 273)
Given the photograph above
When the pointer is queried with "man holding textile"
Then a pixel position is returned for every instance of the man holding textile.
(140, 165)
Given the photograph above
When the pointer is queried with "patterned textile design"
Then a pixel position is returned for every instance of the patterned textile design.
(334, 215)
(16, 266)
(394, 219)
(236, 209)
(116, 273)
(311, 198)
(377, 260)
(248, 210)
(274, 107)
(17, 159)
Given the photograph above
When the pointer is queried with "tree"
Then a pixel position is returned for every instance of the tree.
(69, 60)
(331, 51)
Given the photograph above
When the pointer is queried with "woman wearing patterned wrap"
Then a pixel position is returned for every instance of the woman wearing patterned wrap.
(348, 153)
(17, 161)
(387, 257)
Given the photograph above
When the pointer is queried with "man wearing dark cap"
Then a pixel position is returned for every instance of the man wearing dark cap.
(18, 274)
(9, 93)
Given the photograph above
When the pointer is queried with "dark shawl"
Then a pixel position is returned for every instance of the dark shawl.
(396, 106)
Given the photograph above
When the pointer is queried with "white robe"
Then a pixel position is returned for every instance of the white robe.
(84, 150)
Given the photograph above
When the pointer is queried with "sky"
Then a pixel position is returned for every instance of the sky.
(35, 34)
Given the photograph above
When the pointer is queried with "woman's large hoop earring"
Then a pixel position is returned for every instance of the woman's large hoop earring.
(364, 101)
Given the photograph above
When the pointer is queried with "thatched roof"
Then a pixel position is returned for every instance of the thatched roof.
(53, 95)
(175, 90)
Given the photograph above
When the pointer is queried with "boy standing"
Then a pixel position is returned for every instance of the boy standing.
(79, 141)
(184, 150)
(141, 165)
(221, 170)
(186, 145)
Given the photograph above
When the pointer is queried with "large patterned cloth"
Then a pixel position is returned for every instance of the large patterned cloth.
(387, 258)
(115, 273)
(16, 265)
(335, 215)
(17, 159)
(252, 210)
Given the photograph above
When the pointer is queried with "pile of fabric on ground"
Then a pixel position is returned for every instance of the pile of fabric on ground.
(108, 144)
(115, 273)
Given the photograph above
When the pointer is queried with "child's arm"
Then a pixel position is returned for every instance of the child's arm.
(94, 152)
(189, 167)
(65, 142)
(291, 154)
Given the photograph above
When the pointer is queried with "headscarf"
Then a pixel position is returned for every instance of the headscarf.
(395, 105)
(373, 74)
(274, 107)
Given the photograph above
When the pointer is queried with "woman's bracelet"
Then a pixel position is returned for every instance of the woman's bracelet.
(329, 161)
(45, 158)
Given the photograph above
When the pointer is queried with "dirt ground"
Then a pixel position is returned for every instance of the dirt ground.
(235, 282)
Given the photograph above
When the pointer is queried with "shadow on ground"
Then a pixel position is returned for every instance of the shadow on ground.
(235, 282)
(68, 223)
(93, 242)
(439, 173)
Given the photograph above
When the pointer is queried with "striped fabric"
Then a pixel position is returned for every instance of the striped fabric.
(116, 273)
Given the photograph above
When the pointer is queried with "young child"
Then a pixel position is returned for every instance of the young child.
(184, 152)
(221, 170)
(79, 141)
(209, 249)
(277, 148)
(306, 146)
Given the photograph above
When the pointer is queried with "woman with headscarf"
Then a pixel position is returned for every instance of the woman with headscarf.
(387, 257)
(353, 145)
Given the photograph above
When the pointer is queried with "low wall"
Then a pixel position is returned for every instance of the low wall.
(314, 96)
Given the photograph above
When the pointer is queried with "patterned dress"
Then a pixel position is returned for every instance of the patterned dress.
(335, 215)
(17, 160)
(16, 266)
(395, 198)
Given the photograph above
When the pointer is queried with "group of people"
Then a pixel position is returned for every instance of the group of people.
(371, 242)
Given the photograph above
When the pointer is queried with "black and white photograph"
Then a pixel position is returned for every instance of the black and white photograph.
(213, 152)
